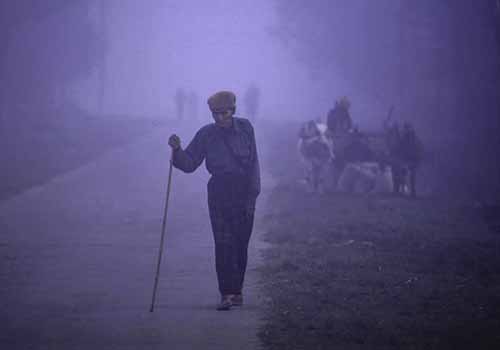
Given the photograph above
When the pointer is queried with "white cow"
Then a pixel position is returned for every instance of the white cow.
(365, 177)
(315, 153)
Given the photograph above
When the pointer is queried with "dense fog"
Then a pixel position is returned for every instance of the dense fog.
(435, 63)
(363, 193)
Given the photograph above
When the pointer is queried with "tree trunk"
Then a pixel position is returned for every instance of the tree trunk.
(103, 68)
(4, 46)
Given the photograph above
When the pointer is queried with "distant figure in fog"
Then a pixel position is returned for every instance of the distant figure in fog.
(338, 119)
(411, 152)
(230, 153)
(252, 96)
(180, 103)
(393, 140)
(405, 151)
(192, 102)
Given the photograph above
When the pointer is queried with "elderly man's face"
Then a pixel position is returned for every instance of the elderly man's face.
(223, 118)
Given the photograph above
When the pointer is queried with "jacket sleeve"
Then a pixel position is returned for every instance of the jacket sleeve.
(190, 159)
(254, 167)
(330, 120)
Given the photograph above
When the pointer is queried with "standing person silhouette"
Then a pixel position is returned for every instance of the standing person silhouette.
(252, 97)
(180, 103)
(230, 153)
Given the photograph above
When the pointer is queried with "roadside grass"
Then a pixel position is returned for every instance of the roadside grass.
(378, 272)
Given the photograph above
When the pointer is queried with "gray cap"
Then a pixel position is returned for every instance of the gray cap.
(222, 101)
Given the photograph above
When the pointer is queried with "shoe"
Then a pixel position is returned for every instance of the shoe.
(225, 303)
(237, 300)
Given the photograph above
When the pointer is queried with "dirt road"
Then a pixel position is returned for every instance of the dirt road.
(78, 255)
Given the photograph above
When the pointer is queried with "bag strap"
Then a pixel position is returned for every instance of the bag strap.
(238, 161)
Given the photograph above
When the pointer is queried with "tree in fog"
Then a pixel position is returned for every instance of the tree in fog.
(497, 23)
(104, 13)
(45, 47)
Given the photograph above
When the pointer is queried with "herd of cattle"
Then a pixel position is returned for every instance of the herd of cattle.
(351, 161)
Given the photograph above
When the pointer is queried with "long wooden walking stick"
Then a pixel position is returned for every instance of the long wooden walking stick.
(162, 232)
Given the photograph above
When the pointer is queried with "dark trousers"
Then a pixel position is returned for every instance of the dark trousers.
(404, 174)
(231, 216)
(398, 177)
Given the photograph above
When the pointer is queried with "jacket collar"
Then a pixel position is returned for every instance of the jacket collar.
(236, 127)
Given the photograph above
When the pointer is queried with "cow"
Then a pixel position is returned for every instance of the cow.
(346, 162)
(315, 153)
(361, 163)
(405, 154)
(365, 177)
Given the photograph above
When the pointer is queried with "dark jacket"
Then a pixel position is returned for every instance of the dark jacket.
(208, 144)
(339, 119)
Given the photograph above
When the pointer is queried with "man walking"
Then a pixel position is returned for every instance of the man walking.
(230, 153)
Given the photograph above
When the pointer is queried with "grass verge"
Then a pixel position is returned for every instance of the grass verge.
(361, 272)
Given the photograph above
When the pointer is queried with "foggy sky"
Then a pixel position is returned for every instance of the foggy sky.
(435, 61)
(155, 47)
